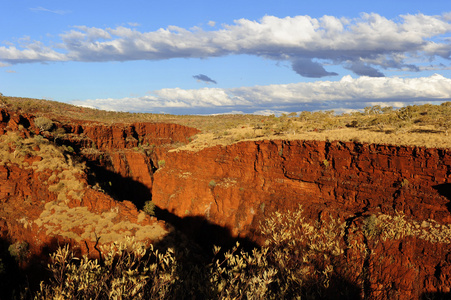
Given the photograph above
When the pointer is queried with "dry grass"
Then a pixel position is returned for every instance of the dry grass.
(78, 223)
(425, 125)
(412, 138)
(65, 172)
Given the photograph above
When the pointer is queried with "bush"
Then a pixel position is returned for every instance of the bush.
(18, 250)
(161, 163)
(126, 271)
(149, 208)
(300, 259)
(43, 123)
(297, 261)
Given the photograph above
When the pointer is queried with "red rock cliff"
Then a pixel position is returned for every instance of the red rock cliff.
(239, 185)
(407, 189)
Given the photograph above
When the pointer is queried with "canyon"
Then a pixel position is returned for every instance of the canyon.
(219, 194)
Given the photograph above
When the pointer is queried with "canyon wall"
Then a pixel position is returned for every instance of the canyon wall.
(225, 192)
(238, 185)
(407, 190)
(49, 194)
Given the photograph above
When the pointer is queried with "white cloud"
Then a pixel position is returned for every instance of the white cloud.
(53, 11)
(344, 94)
(366, 45)
(35, 52)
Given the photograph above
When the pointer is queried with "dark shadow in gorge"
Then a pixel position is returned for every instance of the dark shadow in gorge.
(203, 232)
(444, 189)
(117, 186)
(193, 239)
(436, 296)
(21, 273)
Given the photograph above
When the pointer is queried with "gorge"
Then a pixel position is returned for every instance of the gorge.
(394, 200)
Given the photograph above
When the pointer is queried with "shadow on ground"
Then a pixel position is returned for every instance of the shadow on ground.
(444, 189)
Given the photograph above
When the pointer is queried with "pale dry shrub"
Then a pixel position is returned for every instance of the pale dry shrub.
(303, 252)
(242, 274)
(127, 270)
(43, 123)
(297, 260)
(398, 226)
(301, 259)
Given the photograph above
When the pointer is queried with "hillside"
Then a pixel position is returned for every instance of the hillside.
(424, 125)
(375, 187)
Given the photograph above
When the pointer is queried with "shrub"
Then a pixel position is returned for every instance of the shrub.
(300, 259)
(43, 123)
(126, 271)
(296, 260)
(242, 274)
(18, 250)
(370, 226)
(149, 208)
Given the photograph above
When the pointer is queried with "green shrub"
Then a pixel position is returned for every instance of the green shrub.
(18, 250)
(149, 208)
(370, 226)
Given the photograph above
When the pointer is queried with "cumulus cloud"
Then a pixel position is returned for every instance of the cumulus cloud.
(366, 45)
(347, 93)
(204, 78)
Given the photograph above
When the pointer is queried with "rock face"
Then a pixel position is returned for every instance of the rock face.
(393, 200)
(126, 136)
(46, 194)
(238, 186)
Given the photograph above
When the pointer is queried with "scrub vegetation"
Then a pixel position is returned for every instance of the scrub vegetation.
(418, 125)
(40, 155)
(299, 259)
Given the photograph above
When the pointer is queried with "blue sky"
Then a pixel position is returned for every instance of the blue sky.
(203, 57)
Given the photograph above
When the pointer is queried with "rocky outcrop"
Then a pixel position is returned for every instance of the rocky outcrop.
(238, 185)
(46, 194)
(126, 136)
(393, 200)
(48, 201)
(405, 190)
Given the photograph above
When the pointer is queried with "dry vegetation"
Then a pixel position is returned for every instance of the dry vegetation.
(425, 125)
(79, 223)
(301, 259)
(66, 172)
